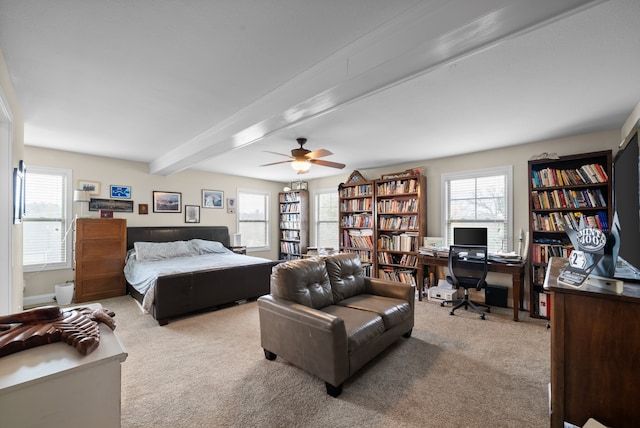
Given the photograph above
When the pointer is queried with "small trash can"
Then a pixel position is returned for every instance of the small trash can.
(64, 293)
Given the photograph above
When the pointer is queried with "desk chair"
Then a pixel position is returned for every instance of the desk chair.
(467, 269)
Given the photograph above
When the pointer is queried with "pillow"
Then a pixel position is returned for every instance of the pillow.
(162, 250)
(201, 246)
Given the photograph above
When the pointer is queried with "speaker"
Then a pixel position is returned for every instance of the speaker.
(496, 295)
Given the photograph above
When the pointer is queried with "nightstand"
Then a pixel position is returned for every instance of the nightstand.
(239, 250)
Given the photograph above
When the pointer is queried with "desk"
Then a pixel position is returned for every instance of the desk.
(516, 270)
(595, 357)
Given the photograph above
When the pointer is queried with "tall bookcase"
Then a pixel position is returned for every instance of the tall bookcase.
(563, 191)
(357, 222)
(401, 224)
(294, 224)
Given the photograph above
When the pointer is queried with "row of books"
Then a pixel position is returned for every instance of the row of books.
(399, 275)
(356, 191)
(291, 208)
(410, 260)
(356, 220)
(541, 253)
(289, 225)
(400, 242)
(357, 239)
(290, 235)
(398, 206)
(568, 198)
(405, 222)
(397, 187)
(586, 174)
(289, 197)
(555, 221)
(355, 205)
(290, 247)
(365, 257)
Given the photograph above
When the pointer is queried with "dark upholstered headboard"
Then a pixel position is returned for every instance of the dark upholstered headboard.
(176, 233)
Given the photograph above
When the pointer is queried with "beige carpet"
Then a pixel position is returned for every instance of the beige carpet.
(209, 370)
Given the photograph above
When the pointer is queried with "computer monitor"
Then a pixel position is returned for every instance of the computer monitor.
(470, 235)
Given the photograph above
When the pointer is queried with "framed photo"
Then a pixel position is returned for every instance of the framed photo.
(167, 202)
(299, 185)
(120, 192)
(115, 205)
(231, 205)
(192, 213)
(143, 209)
(212, 199)
(93, 187)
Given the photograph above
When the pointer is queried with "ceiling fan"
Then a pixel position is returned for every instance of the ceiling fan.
(301, 159)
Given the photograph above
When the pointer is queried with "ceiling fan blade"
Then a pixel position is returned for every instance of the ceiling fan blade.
(327, 163)
(276, 153)
(318, 154)
(276, 163)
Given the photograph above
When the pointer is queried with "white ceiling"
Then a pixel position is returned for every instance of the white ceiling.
(212, 85)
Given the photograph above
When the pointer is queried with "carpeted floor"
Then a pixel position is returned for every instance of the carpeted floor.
(209, 370)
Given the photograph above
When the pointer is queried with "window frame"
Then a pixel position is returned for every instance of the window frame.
(67, 221)
(267, 221)
(317, 222)
(507, 172)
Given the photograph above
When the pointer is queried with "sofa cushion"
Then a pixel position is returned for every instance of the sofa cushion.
(345, 275)
(361, 326)
(303, 281)
(393, 311)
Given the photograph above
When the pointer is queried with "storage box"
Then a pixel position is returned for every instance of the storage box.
(496, 295)
(438, 294)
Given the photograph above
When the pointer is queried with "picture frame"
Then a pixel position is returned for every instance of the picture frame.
(356, 177)
(115, 205)
(93, 187)
(299, 185)
(192, 213)
(167, 202)
(143, 209)
(120, 192)
(212, 198)
(231, 205)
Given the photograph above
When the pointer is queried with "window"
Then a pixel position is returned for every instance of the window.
(46, 230)
(326, 227)
(253, 219)
(479, 199)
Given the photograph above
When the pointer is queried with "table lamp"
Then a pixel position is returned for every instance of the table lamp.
(81, 196)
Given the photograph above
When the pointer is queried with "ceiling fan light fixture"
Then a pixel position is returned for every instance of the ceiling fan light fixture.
(301, 165)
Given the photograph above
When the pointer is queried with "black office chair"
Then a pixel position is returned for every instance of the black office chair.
(467, 269)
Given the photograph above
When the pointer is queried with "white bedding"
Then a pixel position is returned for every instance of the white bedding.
(143, 274)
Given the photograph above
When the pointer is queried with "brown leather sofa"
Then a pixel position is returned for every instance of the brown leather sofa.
(325, 317)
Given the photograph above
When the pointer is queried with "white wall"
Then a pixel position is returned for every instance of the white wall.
(108, 171)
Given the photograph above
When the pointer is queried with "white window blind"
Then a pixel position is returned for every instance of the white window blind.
(480, 199)
(47, 238)
(253, 218)
(326, 227)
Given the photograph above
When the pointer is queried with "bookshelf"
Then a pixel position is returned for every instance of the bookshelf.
(357, 222)
(294, 224)
(401, 224)
(563, 190)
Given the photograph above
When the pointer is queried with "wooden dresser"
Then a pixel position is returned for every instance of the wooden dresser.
(595, 353)
(101, 247)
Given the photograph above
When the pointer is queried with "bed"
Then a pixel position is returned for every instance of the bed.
(174, 292)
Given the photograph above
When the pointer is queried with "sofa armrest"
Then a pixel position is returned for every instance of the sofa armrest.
(306, 337)
(386, 288)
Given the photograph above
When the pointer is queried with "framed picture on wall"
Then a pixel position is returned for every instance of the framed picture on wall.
(93, 187)
(212, 199)
(192, 213)
(167, 202)
(120, 192)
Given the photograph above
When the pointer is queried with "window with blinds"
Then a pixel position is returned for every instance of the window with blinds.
(47, 238)
(326, 227)
(480, 199)
(253, 218)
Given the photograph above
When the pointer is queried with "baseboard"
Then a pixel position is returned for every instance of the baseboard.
(40, 299)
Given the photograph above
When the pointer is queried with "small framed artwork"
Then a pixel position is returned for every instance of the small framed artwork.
(299, 185)
(93, 187)
(212, 199)
(167, 202)
(143, 209)
(105, 213)
(120, 192)
(231, 205)
(192, 213)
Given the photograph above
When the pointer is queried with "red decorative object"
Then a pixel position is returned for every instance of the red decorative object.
(105, 213)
